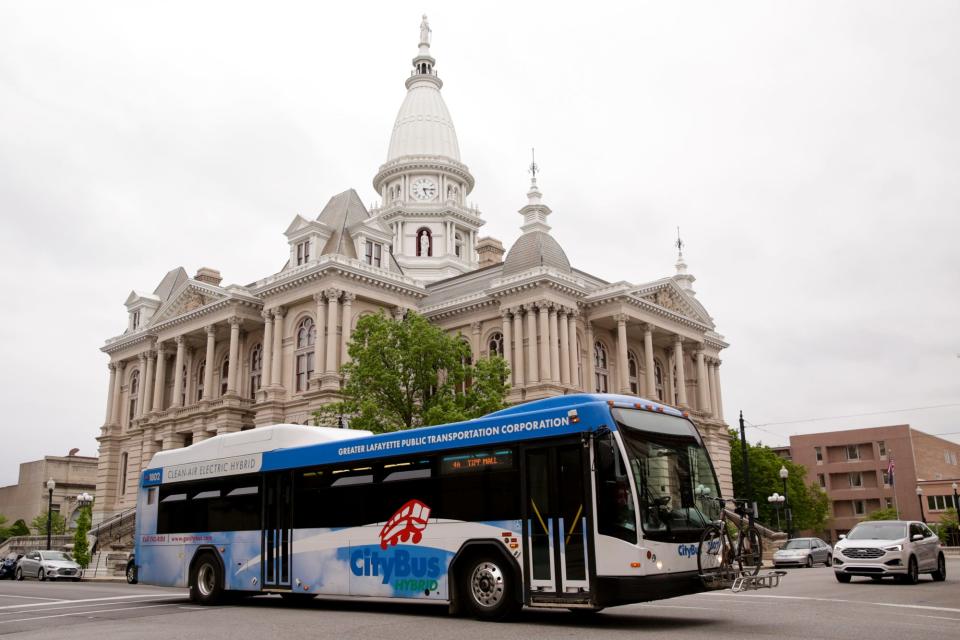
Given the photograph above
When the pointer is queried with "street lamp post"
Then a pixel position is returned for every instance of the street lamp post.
(84, 499)
(783, 476)
(51, 485)
(920, 500)
(776, 500)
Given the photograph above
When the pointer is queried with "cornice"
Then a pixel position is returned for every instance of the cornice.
(445, 209)
(458, 306)
(536, 278)
(339, 265)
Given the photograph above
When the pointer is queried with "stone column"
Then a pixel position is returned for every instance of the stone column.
(681, 376)
(564, 330)
(718, 397)
(507, 338)
(177, 373)
(533, 365)
(543, 334)
(276, 359)
(141, 392)
(554, 345)
(147, 392)
(148, 448)
(110, 391)
(648, 364)
(267, 371)
(590, 384)
(117, 394)
(575, 381)
(475, 346)
(518, 370)
(703, 388)
(200, 435)
(346, 323)
(171, 440)
(161, 380)
(321, 341)
(209, 365)
(623, 375)
(233, 368)
(331, 379)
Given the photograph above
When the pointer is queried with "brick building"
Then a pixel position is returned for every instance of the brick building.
(851, 466)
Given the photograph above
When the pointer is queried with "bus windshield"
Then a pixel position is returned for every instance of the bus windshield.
(671, 469)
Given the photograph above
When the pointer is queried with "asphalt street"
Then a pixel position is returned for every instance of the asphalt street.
(810, 603)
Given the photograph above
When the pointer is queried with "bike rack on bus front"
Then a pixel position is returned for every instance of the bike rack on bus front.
(738, 581)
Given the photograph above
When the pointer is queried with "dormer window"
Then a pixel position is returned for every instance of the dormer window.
(374, 253)
(303, 252)
(136, 320)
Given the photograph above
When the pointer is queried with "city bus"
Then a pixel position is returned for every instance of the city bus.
(579, 502)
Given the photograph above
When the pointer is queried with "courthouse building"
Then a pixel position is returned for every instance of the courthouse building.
(198, 358)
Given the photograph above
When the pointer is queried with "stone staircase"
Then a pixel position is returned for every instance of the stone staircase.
(107, 564)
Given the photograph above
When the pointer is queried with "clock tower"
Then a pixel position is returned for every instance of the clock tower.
(423, 184)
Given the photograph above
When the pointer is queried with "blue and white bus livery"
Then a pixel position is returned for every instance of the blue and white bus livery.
(580, 502)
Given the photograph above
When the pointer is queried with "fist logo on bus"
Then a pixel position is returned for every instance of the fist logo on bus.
(408, 522)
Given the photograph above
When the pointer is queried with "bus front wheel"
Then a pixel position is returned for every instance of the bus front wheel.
(206, 580)
(488, 586)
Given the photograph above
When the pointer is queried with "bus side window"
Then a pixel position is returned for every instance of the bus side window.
(615, 506)
(339, 497)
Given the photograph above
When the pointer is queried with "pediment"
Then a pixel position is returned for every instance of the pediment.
(671, 297)
(190, 296)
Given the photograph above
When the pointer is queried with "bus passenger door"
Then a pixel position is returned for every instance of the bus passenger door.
(275, 538)
(556, 523)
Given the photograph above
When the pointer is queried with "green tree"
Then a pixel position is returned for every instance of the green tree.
(808, 503)
(81, 548)
(408, 373)
(949, 528)
(19, 528)
(882, 514)
(58, 524)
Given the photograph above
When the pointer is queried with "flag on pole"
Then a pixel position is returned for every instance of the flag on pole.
(890, 467)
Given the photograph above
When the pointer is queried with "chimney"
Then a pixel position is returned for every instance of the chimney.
(490, 251)
(208, 275)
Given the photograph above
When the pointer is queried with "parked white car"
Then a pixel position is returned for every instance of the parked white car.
(48, 565)
(898, 548)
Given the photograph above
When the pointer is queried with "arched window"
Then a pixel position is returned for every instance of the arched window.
(256, 370)
(424, 242)
(658, 379)
(633, 371)
(495, 345)
(306, 337)
(201, 374)
(134, 393)
(458, 245)
(600, 372)
(224, 376)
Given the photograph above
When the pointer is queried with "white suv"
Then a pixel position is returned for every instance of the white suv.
(881, 548)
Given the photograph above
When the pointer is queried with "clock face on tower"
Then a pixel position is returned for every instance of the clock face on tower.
(423, 189)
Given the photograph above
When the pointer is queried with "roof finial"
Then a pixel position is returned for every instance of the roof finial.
(425, 32)
(684, 279)
(679, 243)
(534, 168)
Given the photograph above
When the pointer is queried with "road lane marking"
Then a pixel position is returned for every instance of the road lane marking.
(76, 606)
(160, 594)
(10, 595)
(923, 607)
(83, 613)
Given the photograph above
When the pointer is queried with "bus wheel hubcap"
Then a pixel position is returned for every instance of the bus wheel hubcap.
(487, 584)
(206, 579)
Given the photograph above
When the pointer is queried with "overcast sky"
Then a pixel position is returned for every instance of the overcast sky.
(809, 151)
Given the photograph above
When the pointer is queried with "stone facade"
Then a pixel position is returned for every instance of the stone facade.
(28, 498)
(560, 329)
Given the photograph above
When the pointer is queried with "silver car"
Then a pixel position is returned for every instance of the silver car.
(803, 552)
(48, 565)
(899, 548)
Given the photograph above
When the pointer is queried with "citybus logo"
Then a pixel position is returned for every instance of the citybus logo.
(407, 523)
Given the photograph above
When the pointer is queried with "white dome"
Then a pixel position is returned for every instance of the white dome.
(423, 126)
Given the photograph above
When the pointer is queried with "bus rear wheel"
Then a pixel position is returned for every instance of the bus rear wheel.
(489, 588)
(206, 580)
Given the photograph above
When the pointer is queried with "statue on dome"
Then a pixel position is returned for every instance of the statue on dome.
(425, 31)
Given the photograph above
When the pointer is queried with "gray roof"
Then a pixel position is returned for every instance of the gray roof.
(535, 249)
(173, 279)
(343, 210)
